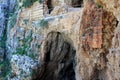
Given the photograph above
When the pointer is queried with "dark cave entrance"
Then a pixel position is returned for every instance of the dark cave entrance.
(50, 6)
(59, 59)
(77, 3)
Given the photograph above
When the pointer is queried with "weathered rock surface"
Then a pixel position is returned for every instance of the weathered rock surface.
(93, 41)
(3, 10)
(113, 57)
(97, 31)
(22, 67)
(91, 33)
(113, 64)
(6, 7)
(113, 6)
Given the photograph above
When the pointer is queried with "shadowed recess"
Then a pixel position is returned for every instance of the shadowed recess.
(58, 59)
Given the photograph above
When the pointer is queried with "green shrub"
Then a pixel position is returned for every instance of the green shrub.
(22, 50)
(13, 16)
(2, 41)
(99, 5)
(29, 3)
(5, 68)
(32, 55)
(25, 21)
(28, 39)
(12, 19)
(40, 1)
(43, 23)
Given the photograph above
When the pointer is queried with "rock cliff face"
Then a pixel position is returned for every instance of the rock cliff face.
(61, 40)
(3, 9)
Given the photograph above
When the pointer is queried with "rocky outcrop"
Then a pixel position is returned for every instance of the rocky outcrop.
(3, 13)
(97, 31)
(6, 8)
(22, 67)
(72, 42)
(92, 40)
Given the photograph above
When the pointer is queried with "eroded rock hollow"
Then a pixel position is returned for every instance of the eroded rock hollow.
(58, 59)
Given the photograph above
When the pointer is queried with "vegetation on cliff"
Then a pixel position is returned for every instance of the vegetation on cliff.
(28, 3)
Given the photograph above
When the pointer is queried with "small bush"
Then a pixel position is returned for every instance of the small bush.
(2, 41)
(99, 5)
(23, 49)
(43, 23)
(29, 3)
(12, 20)
(5, 69)
(32, 55)
(25, 21)
(13, 16)
(40, 1)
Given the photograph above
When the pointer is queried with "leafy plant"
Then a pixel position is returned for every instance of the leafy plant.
(2, 41)
(25, 21)
(28, 39)
(22, 50)
(5, 69)
(99, 5)
(32, 55)
(40, 1)
(13, 16)
(43, 23)
(12, 19)
(28, 3)
(25, 49)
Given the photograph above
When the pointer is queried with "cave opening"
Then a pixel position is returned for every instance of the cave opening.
(50, 6)
(77, 3)
(59, 59)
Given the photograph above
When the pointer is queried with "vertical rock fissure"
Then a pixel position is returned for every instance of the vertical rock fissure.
(77, 3)
(4, 14)
(58, 59)
(49, 5)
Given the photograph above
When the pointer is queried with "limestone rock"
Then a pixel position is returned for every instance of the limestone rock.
(113, 64)
(22, 67)
(113, 6)
(12, 4)
(3, 9)
(58, 10)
